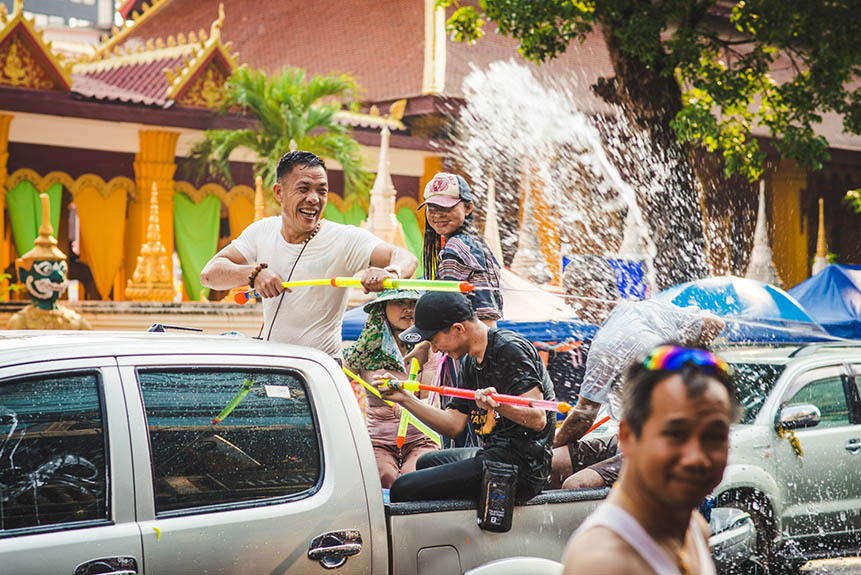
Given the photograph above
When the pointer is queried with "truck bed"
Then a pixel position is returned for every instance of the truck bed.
(442, 537)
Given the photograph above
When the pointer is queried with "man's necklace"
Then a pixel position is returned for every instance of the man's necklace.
(281, 299)
(678, 554)
(314, 233)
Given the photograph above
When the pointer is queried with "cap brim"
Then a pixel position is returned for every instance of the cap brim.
(415, 335)
(441, 201)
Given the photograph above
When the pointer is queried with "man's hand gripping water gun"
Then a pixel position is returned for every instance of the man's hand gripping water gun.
(427, 285)
(500, 398)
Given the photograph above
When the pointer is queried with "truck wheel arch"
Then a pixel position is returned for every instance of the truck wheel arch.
(760, 508)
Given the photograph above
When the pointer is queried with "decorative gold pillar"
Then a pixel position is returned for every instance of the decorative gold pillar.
(432, 165)
(259, 206)
(155, 163)
(538, 217)
(789, 230)
(5, 120)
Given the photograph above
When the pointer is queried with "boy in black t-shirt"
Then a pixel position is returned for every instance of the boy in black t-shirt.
(497, 361)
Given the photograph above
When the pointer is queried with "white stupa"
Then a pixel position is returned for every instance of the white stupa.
(761, 267)
(820, 262)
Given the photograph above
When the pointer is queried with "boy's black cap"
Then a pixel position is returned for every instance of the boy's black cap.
(436, 311)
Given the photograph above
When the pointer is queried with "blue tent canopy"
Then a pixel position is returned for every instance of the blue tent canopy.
(754, 311)
(354, 321)
(833, 297)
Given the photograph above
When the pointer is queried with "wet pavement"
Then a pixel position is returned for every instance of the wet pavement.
(838, 566)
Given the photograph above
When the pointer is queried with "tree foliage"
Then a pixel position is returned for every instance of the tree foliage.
(721, 53)
(291, 110)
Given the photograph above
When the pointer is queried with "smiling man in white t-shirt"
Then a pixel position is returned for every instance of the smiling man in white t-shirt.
(299, 245)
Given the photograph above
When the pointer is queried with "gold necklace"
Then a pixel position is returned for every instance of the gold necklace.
(678, 554)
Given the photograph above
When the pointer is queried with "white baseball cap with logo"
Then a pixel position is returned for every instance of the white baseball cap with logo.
(446, 190)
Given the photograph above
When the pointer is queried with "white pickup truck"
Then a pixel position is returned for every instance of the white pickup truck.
(131, 453)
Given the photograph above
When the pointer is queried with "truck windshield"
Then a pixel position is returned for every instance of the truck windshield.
(753, 383)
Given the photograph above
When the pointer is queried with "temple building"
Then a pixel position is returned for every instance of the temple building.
(99, 131)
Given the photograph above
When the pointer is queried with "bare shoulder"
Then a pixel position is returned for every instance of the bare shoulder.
(600, 551)
(702, 527)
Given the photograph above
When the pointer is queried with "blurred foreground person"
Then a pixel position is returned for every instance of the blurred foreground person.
(677, 408)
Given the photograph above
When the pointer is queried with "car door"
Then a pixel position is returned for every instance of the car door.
(822, 488)
(243, 468)
(66, 494)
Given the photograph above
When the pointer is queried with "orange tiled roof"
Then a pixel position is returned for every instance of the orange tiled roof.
(381, 44)
(190, 71)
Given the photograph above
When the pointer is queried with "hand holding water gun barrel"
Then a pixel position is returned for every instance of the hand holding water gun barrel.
(389, 283)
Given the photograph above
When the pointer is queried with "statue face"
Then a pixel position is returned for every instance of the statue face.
(45, 280)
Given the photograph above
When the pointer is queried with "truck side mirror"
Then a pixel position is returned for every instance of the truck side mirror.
(799, 416)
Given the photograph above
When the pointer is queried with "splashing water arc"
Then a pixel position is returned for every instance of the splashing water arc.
(593, 168)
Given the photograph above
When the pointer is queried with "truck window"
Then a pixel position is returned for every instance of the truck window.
(828, 395)
(52, 452)
(228, 437)
(753, 383)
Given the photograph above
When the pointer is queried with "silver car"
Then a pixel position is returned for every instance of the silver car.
(795, 457)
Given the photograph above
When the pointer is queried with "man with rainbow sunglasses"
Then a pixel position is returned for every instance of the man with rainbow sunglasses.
(632, 328)
(677, 407)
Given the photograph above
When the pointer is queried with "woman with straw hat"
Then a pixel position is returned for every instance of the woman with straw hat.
(380, 350)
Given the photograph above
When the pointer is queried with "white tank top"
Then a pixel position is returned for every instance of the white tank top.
(623, 524)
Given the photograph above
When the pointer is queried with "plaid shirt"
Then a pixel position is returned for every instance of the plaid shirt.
(466, 258)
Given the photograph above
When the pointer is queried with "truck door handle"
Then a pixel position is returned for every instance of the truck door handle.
(853, 446)
(332, 549)
(108, 566)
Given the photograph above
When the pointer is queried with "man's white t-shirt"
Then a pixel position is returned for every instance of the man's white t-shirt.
(311, 315)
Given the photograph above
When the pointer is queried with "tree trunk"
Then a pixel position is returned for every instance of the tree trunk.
(674, 212)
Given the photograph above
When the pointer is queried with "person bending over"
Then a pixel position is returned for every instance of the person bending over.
(631, 328)
(496, 360)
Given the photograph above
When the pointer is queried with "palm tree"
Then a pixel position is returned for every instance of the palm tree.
(293, 111)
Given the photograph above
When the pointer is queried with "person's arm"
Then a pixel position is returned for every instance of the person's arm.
(577, 422)
(532, 417)
(386, 255)
(712, 326)
(229, 269)
(449, 422)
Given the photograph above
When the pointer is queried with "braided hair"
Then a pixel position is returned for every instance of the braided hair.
(432, 244)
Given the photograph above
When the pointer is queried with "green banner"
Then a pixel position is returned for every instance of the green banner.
(355, 215)
(413, 236)
(195, 229)
(25, 213)
(331, 213)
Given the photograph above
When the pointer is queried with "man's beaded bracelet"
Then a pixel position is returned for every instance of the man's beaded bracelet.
(253, 275)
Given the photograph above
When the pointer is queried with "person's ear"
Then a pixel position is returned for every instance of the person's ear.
(468, 207)
(277, 188)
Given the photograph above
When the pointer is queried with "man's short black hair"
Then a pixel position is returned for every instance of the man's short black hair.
(640, 382)
(298, 158)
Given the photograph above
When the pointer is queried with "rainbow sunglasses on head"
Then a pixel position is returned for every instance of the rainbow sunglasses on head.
(674, 358)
